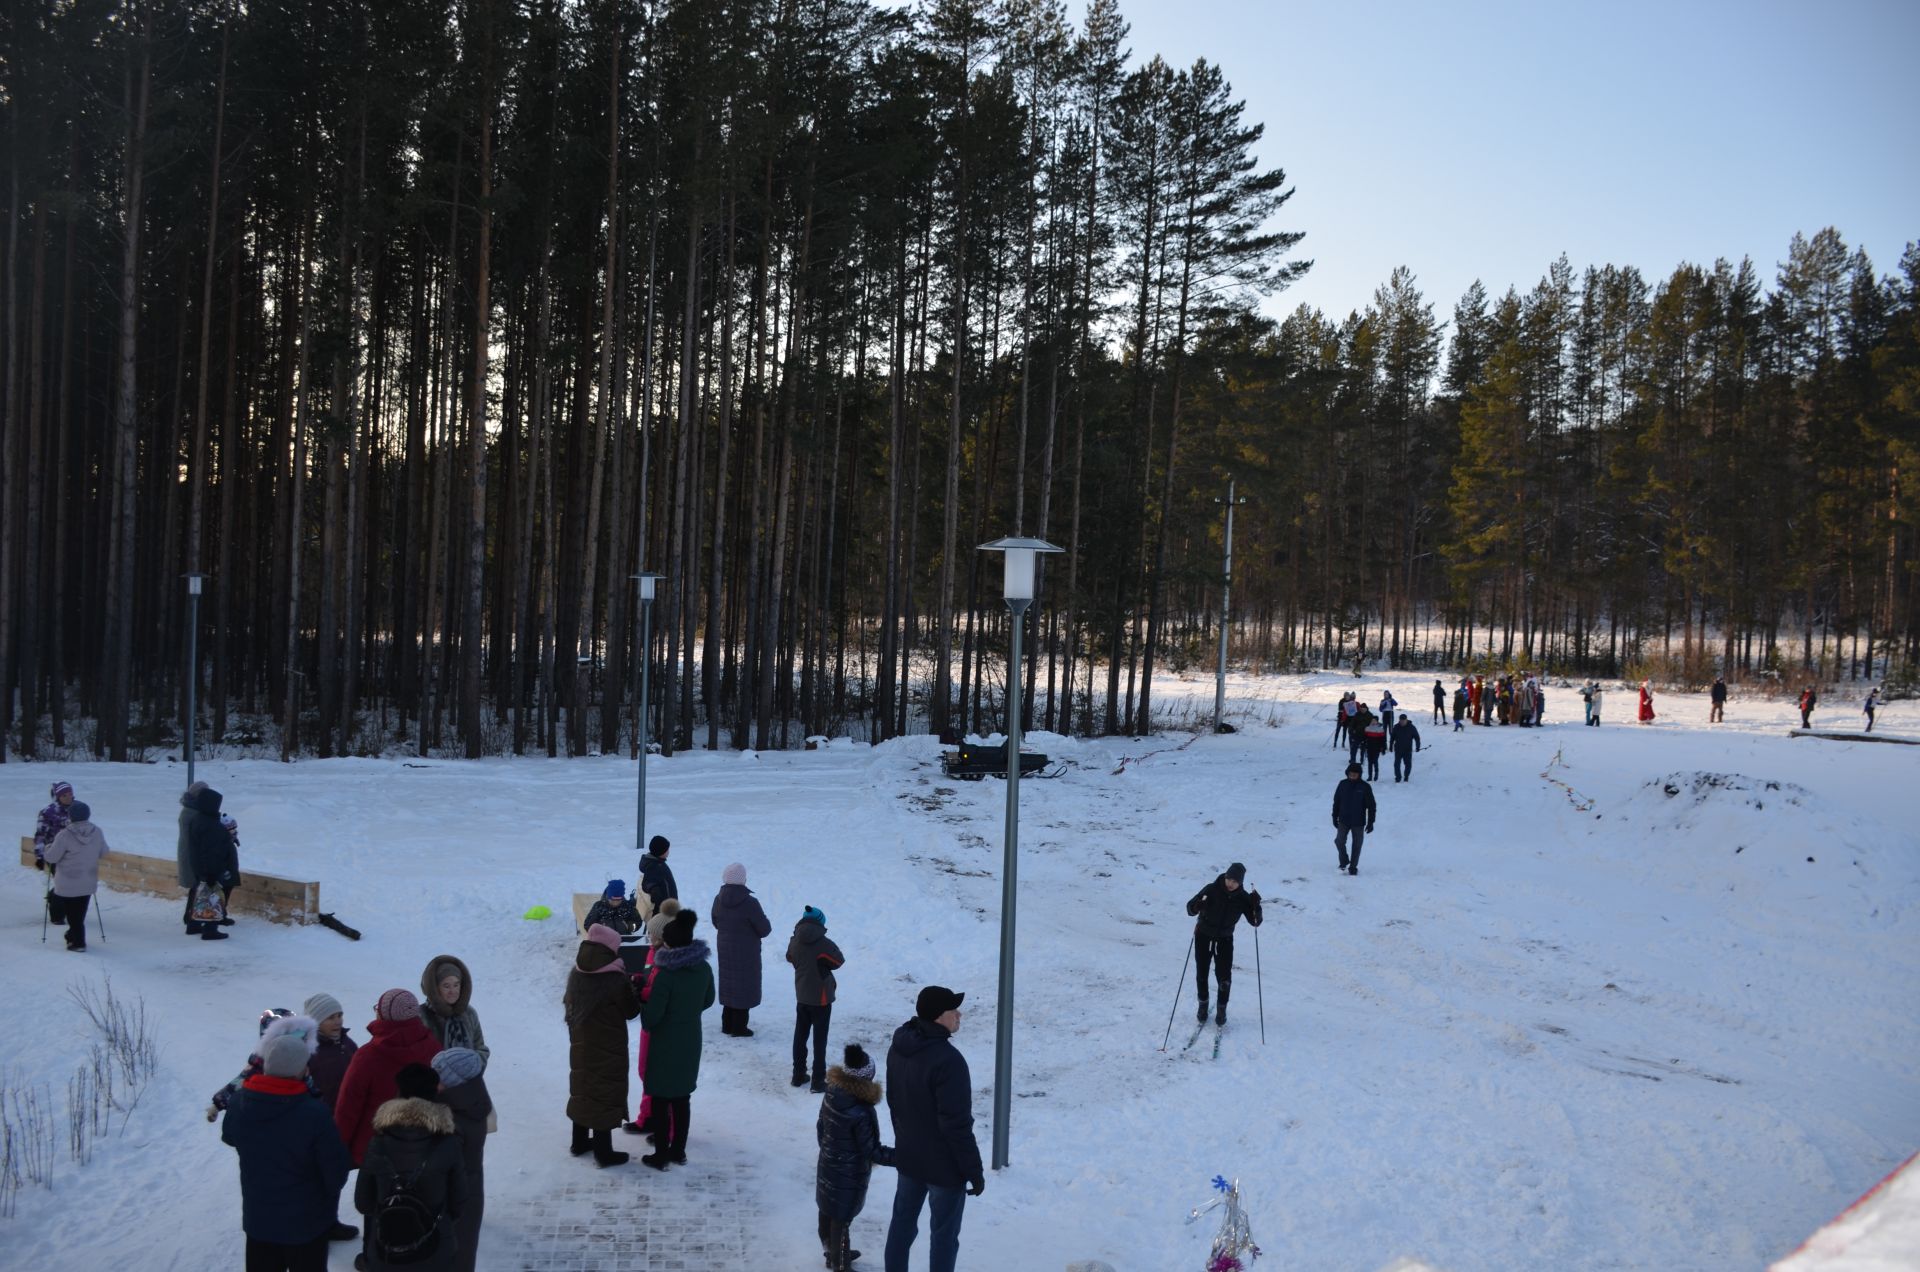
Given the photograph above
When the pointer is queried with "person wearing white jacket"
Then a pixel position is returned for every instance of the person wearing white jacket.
(75, 856)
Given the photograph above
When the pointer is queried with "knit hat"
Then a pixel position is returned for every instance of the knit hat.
(858, 1063)
(284, 1057)
(322, 1005)
(658, 923)
(458, 1064)
(1353, 770)
(60, 788)
(417, 1082)
(658, 845)
(735, 873)
(679, 929)
(1237, 872)
(601, 934)
(815, 913)
(78, 811)
(397, 1004)
(290, 1026)
(614, 888)
(936, 1001)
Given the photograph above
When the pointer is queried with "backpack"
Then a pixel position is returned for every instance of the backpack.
(403, 1228)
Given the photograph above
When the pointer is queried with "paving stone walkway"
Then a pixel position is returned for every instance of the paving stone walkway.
(688, 1219)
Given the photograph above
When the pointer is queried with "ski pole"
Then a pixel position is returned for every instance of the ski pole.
(45, 904)
(1176, 994)
(1259, 992)
(99, 915)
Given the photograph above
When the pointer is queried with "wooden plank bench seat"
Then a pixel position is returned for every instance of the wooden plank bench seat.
(266, 896)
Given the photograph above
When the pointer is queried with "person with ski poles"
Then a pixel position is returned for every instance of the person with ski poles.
(1218, 907)
(1872, 704)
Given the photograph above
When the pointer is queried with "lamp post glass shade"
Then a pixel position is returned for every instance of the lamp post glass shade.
(1019, 570)
(194, 582)
(646, 582)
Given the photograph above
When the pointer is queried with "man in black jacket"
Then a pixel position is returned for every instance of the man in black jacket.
(1353, 814)
(210, 856)
(1405, 740)
(1218, 906)
(656, 876)
(930, 1098)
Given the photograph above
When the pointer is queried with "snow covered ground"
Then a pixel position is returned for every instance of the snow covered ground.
(1659, 1011)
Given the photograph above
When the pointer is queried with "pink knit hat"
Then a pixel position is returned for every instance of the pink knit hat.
(601, 934)
(397, 1004)
(735, 873)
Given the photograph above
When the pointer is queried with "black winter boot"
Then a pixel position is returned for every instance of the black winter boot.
(582, 1140)
(603, 1151)
(1220, 1013)
(1201, 1015)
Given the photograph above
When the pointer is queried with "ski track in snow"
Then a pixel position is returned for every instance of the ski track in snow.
(1649, 1034)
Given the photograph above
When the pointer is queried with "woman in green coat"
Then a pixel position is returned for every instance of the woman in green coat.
(682, 989)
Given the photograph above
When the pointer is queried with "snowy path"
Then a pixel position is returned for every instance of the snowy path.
(1647, 1034)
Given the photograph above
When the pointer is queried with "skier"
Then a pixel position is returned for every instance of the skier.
(1388, 705)
(1217, 907)
(1718, 694)
(1342, 713)
(1809, 699)
(1439, 703)
(74, 855)
(1872, 703)
(1406, 740)
(1375, 738)
(52, 820)
(1353, 814)
(1646, 702)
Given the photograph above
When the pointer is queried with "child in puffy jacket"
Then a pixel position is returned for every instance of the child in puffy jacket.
(275, 1022)
(848, 1132)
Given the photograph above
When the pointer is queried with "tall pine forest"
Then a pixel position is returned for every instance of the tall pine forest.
(419, 327)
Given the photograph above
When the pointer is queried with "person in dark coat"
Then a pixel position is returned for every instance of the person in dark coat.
(1460, 696)
(396, 1039)
(1356, 729)
(614, 910)
(1405, 740)
(52, 820)
(189, 806)
(930, 1100)
(446, 991)
(292, 1163)
(211, 857)
(413, 1143)
(1718, 695)
(814, 959)
(463, 1089)
(739, 925)
(599, 1001)
(1353, 814)
(1218, 907)
(656, 876)
(1809, 699)
(328, 1068)
(74, 856)
(848, 1133)
(1374, 745)
(1439, 703)
(682, 990)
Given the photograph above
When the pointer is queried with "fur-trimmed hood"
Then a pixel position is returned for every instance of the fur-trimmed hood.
(412, 1114)
(865, 1090)
(430, 987)
(669, 959)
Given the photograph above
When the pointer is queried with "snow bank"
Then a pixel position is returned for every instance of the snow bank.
(1878, 1233)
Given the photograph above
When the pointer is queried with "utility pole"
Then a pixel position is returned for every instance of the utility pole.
(1226, 612)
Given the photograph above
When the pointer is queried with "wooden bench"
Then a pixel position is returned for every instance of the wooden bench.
(1846, 735)
(266, 896)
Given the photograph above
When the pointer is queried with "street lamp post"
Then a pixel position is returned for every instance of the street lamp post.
(1018, 563)
(194, 582)
(1226, 586)
(646, 581)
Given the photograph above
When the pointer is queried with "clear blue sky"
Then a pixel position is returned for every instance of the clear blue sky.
(1482, 138)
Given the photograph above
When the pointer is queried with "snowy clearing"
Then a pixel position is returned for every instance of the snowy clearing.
(1656, 1009)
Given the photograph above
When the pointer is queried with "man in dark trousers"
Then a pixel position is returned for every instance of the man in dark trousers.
(1353, 814)
(1439, 703)
(930, 1098)
(1719, 695)
(1219, 906)
(1406, 740)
